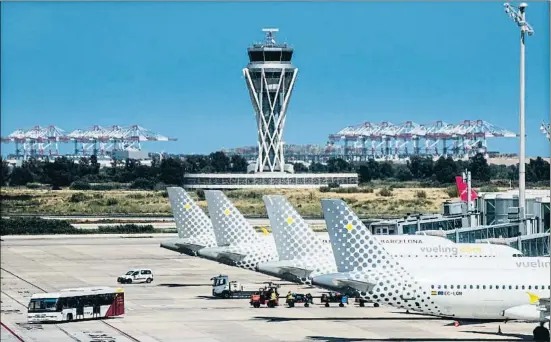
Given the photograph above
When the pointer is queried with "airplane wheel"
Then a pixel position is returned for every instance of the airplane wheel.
(306, 305)
(362, 304)
(376, 305)
(326, 305)
(541, 334)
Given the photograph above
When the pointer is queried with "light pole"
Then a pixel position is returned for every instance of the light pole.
(519, 17)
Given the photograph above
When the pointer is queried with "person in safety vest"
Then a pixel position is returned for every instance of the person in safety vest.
(273, 298)
(290, 298)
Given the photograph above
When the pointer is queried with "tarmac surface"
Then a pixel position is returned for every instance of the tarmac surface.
(177, 306)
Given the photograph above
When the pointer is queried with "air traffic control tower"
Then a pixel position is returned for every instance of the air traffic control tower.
(270, 77)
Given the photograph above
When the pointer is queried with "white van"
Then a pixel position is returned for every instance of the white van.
(141, 275)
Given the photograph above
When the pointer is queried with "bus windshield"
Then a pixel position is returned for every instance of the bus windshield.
(42, 304)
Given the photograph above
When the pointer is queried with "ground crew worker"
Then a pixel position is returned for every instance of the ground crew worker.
(290, 298)
(273, 298)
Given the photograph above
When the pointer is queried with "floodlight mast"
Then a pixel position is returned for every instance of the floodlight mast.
(518, 15)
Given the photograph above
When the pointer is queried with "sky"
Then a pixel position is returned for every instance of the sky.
(175, 68)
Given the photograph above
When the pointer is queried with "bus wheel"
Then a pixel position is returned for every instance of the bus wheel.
(69, 317)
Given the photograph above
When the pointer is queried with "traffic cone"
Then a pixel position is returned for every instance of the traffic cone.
(456, 324)
(499, 330)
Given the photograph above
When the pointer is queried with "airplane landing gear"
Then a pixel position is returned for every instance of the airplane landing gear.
(541, 334)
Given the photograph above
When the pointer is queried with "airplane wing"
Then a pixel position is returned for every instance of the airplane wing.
(234, 257)
(361, 286)
(189, 246)
(297, 271)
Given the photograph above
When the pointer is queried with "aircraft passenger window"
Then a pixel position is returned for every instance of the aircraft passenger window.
(503, 287)
(451, 287)
(536, 287)
(439, 287)
(510, 287)
(484, 287)
(529, 287)
(432, 286)
(516, 287)
(523, 287)
(445, 286)
(490, 287)
(464, 287)
(471, 287)
(477, 287)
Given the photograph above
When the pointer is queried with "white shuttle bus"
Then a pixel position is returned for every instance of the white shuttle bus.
(76, 304)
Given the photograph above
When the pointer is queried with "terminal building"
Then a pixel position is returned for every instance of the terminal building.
(494, 220)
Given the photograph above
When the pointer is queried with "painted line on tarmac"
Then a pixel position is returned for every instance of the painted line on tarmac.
(12, 332)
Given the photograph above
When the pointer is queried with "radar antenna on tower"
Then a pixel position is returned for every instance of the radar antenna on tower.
(270, 37)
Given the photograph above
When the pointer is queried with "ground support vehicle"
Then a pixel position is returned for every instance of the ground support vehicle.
(264, 295)
(299, 298)
(139, 275)
(75, 304)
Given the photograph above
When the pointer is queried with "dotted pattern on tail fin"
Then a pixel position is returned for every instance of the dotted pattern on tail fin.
(295, 241)
(232, 229)
(294, 238)
(364, 258)
(192, 223)
(230, 226)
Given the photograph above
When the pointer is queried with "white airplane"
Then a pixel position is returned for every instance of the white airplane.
(193, 225)
(303, 254)
(462, 292)
(238, 243)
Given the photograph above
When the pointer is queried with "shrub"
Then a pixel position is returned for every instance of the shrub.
(489, 188)
(142, 183)
(325, 189)
(112, 201)
(40, 226)
(34, 185)
(160, 186)
(126, 229)
(80, 185)
(452, 191)
(385, 192)
(333, 185)
(200, 194)
(421, 194)
(78, 197)
(107, 186)
(34, 226)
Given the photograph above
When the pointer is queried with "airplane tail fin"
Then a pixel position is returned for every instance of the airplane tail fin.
(230, 226)
(293, 237)
(462, 189)
(191, 220)
(354, 247)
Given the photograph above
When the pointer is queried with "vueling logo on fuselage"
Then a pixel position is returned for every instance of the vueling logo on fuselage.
(539, 263)
(453, 250)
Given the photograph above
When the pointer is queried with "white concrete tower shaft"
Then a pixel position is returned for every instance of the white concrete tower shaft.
(270, 78)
